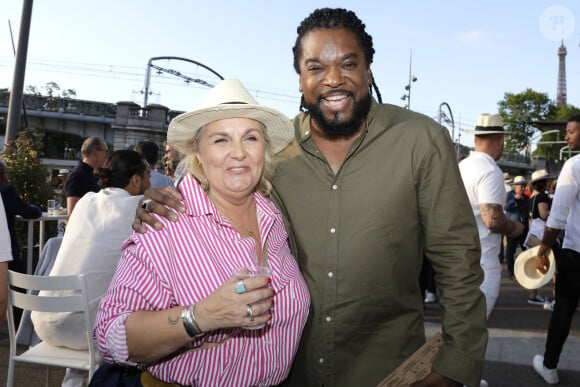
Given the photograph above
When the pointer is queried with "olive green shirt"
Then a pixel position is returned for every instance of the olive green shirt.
(359, 238)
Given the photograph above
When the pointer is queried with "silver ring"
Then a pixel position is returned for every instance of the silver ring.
(250, 313)
(146, 204)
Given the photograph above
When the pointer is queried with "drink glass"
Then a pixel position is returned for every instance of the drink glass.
(51, 207)
(250, 272)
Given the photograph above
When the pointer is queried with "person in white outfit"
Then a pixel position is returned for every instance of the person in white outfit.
(484, 183)
(564, 214)
(92, 243)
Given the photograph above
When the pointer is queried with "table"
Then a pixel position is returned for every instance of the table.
(44, 218)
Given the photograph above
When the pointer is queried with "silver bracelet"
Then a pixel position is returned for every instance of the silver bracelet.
(189, 322)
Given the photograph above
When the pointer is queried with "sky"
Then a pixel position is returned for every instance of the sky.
(466, 54)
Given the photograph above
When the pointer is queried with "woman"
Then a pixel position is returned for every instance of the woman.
(14, 205)
(541, 203)
(92, 243)
(174, 306)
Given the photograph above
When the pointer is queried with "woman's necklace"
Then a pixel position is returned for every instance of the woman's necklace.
(238, 226)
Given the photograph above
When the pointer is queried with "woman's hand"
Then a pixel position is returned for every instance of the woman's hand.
(157, 199)
(225, 308)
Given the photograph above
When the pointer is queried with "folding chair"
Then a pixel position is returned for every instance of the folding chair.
(81, 299)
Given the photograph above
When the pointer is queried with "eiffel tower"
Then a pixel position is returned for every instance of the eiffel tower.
(561, 93)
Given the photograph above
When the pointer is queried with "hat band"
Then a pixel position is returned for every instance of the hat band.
(489, 128)
(234, 103)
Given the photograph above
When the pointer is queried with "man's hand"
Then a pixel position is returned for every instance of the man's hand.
(168, 196)
(542, 261)
(436, 380)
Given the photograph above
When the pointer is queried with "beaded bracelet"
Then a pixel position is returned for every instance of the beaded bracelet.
(189, 322)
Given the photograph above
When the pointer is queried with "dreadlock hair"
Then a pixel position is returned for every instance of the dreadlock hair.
(334, 18)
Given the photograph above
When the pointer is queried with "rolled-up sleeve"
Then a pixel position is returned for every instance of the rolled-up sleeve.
(452, 245)
(566, 194)
(127, 294)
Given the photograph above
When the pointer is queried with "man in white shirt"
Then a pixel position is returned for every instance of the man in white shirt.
(564, 214)
(5, 257)
(484, 183)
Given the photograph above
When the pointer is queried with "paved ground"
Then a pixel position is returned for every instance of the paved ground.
(517, 332)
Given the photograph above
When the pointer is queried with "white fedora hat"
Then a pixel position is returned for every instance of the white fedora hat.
(540, 174)
(488, 124)
(520, 180)
(230, 99)
(507, 178)
(526, 272)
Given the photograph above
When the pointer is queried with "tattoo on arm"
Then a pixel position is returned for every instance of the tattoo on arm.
(174, 321)
(494, 218)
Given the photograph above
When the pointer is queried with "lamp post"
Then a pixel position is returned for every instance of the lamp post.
(448, 119)
(412, 78)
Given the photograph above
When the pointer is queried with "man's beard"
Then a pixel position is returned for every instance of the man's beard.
(336, 127)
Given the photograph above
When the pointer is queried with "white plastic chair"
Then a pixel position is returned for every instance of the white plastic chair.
(81, 301)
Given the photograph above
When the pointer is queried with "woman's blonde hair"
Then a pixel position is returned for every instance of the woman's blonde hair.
(190, 163)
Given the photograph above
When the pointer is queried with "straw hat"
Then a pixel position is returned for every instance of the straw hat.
(507, 178)
(526, 272)
(520, 180)
(488, 124)
(230, 99)
(540, 174)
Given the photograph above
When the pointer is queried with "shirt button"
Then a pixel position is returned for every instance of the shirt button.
(328, 319)
(307, 133)
(330, 274)
(321, 360)
(332, 230)
(334, 186)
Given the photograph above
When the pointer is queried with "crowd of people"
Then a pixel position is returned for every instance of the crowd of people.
(344, 242)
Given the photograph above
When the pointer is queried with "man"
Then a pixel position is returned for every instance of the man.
(81, 179)
(517, 208)
(366, 189)
(92, 243)
(484, 184)
(15, 205)
(150, 151)
(565, 213)
(5, 257)
(170, 161)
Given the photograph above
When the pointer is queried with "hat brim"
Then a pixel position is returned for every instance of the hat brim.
(486, 132)
(279, 128)
(546, 177)
(526, 272)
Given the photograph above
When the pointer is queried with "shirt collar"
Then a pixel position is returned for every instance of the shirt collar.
(197, 202)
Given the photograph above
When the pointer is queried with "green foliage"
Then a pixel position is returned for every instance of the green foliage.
(518, 111)
(564, 112)
(561, 114)
(51, 89)
(27, 173)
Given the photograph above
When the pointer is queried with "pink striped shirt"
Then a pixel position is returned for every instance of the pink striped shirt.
(184, 263)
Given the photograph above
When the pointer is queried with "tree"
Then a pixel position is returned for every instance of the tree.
(560, 114)
(26, 171)
(52, 90)
(518, 111)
